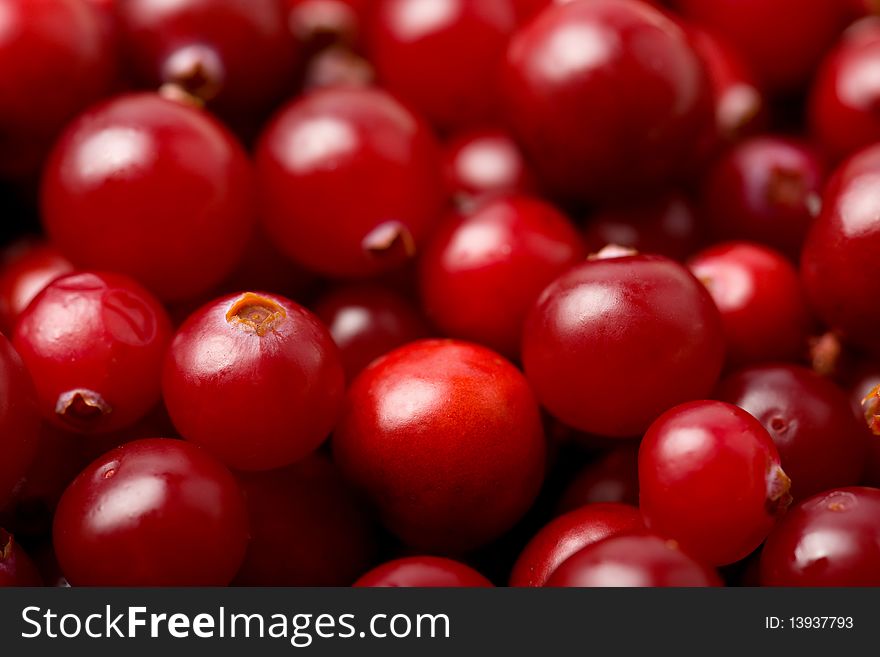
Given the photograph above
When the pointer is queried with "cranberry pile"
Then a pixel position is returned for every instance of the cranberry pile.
(439, 292)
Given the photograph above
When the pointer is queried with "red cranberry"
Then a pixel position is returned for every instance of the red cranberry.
(832, 539)
(423, 572)
(326, 24)
(864, 397)
(639, 560)
(567, 535)
(821, 444)
(19, 421)
(255, 379)
(758, 292)
(486, 161)
(709, 477)
(606, 95)
(613, 343)
(25, 276)
(307, 528)
(613, 477)
(445, 437)
(16, 568)
(337, 67)
(150, 188)
(154, 512)
(368, 321)
(366, 143)
(484, 268)
(93, 344)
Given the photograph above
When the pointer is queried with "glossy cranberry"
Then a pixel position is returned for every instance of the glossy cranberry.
(485, 267)
(154, 512)
(832, 539)
(605, 96)
(423, 572)
(366, 143)
(307, 528)
(709, 477)
(25, 276)
(567, 535)
(666, 225)
(782, 40)
(368, 321)
(614, 342)
(255, 379)
(94, 343)
(16, 568)
(486, 161)
(765, 189)
(237, 54)
(639, 560)
(54, 61)
(150, 188)
(758, 292)
(864, 389)
(19, 421)
(820, 442)
(613, 477)
(445, 438)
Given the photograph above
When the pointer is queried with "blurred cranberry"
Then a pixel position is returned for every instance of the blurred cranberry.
(486, 161)
(612, 477)
(23, 276)
(16, 568)
(423, 572)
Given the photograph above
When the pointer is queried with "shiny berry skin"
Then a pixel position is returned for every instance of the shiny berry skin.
(639, 560)
(568, 534)
(152, 513)
(25, 276)
(569, 91)
(758, 292)
(821, 443)
(423, 572)
(55, 62)
(766, 189)
(832, 539)
(366, 143)
(307, 528)
(19, 421)
(267, 362)
(612, 477)
(171, 205)
(709, 477)
(485, 161)
(445, 438)
(485, 266)
(16, 568)
(238, 55)
(94, 343)
(367, 321)
(614, 342)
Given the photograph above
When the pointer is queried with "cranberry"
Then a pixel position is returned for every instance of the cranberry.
(366, 143)
(766, 189)
(606, 95)
(709, 477)
(445, 437)
(326, 24)
(613, 477)
(368, 321)
(821, 444)
(485, 267)
(18, 420)
(154, 512)
(423, 572)
(337, 67)
(16, 568)
(268, 363)
(307, 528)
(486, 161)
(567, 535)
(150, 188)
(832, 539)
(25, 276)
(614, 342)
(93, 344)
(864, 395)
(758, 292)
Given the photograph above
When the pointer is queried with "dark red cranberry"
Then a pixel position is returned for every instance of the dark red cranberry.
(606, 96)
(93, 344)
(327, 24)
(613, 477)
(486, 161)
(16, 568)
(485, 267)
(368, 321)
(366, 143)
(445, 438)
(25, 276)
(150, 188)
(832, 539)
(255, 379)
(307, 528)
(614, 342)
(864, 397)
(765, 189)
(154, 512)
(568, 534)
(758, 292)
(423, 572)
(19, 422)
(821, 444)
(709, 477)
